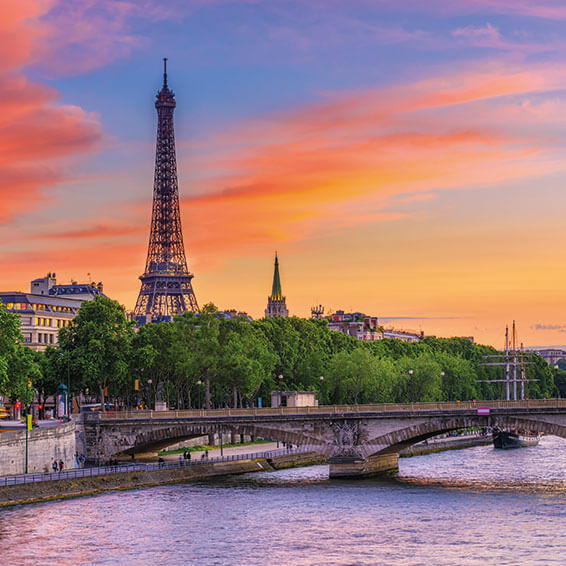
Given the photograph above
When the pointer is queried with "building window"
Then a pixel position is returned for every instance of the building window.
(51, 338)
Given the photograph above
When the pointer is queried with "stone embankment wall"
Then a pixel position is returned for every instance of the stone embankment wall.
(57, 489)
(43, 446)
(442, 444)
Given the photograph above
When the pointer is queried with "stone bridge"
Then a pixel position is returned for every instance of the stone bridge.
(356, 439)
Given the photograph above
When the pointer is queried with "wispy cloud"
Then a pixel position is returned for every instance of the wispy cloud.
(340, 161)
(554, 327)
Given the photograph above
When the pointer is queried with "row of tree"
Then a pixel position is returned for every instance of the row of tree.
(206, 360)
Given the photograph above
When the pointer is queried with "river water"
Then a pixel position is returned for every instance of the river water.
(464, 507)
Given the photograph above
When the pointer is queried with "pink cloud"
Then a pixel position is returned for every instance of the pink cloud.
(285, 176)
(37, 135)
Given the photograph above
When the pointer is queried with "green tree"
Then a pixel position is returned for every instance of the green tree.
(247, 360)
(19, 366)
(200, 334)
(97, 346)
(418, 380)
(353, 376)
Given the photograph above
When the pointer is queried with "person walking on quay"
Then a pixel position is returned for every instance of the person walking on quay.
(54, 466)
(61, 465)
(181, 460)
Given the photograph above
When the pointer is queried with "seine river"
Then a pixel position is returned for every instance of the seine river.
(473, 506)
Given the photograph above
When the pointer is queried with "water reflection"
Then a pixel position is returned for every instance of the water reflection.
(476, 506)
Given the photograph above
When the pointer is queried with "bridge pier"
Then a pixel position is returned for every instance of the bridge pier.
(356, 467)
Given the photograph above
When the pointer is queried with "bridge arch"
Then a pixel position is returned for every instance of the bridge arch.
(397, 440)
(153, 438)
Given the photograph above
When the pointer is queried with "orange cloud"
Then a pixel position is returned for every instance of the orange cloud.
(99, 231)
(284, 177)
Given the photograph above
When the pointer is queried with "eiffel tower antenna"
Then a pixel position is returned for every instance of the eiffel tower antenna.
(166, 287)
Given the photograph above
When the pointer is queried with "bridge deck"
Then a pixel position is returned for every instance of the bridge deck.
(339, 409)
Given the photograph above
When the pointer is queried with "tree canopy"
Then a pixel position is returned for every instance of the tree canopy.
(209, 360)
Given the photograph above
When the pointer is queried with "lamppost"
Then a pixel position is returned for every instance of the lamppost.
(412, 385)
(321, 389)
(149, 382)
(199, 383)
(68, 394)
(279, 396)
(68, 391)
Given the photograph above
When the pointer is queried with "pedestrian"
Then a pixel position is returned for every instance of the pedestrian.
(61, 465)
(180, 459)
(54, 466)
(188, 455)
(206, 454)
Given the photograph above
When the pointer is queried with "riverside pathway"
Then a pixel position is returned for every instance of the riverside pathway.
(145, 466)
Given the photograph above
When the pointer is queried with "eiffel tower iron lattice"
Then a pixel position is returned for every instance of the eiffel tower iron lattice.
(166, 288)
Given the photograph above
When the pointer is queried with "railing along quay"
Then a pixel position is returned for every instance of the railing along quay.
(90, 472)
(335, 409)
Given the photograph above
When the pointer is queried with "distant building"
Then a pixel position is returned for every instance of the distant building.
(549, 355)
(81, 291)
(47, 308)
(355, 324)
(293, 399)
(404, 335)
(363, 327)
(276, 301)
(233, 313)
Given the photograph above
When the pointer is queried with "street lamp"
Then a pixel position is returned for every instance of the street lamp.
(279, 396)
(199, 383)
(412, 385)
(67, 396)
(321, 389)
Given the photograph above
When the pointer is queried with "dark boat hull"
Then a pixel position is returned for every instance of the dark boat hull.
(505, 439)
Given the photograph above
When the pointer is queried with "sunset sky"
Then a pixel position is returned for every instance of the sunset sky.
(405, 158)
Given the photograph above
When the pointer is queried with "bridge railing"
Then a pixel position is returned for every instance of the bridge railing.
(142, 467)
(335, 409)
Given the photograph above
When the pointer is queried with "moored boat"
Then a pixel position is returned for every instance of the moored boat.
(514, 438)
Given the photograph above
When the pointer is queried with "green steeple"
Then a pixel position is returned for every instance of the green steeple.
(276, 293)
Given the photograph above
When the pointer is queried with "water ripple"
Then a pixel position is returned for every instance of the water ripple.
(468, 507)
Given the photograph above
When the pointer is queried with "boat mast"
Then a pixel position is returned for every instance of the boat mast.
(504, 359)
(522, 375)
(507, 362)
(514, 363)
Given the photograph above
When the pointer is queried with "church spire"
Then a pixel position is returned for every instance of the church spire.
(276, 301)
(276, 294)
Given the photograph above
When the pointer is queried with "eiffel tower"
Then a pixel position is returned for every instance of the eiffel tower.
(166, 288)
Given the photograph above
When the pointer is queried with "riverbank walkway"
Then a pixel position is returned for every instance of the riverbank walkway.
(171, 463)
